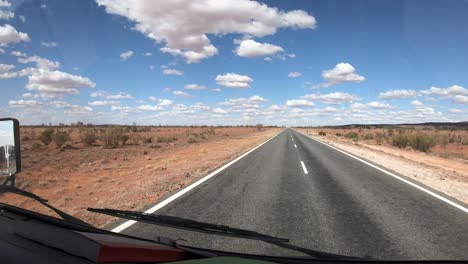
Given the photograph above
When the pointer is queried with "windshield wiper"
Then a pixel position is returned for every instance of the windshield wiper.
(65, 216)
(187, 224)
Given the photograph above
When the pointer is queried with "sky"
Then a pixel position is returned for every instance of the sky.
(234, 62)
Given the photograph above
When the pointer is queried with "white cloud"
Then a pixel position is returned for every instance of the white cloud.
(106, 95)
(126, 55)
(22, 18)
(194, 86)
(153, 98)
(41, 63)
(250, 48)
(165, 102)
(450, 91)
(24, 103)
(379, 105)
(416, 103)
(216, 90)
(147, 54)
(9, 34)
(234, 80)
(103, 103)
(181, 93)
(18, 53)
(244, 103)
(6, 15)
(398, 94)
(329, 109)
(6, 67)
(294, 74)
(267, 59)
(200, 106)
(219, 111)
(187, 34)
(331, 98)
(49, 44)
(5, 3)
(460, 99)
(150, 107)
(57, 82)
(299, 103)
(172, 72)
(291, 55)
(455, 111)
(341, 73)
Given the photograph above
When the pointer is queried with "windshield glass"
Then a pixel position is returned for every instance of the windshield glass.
(339, 125)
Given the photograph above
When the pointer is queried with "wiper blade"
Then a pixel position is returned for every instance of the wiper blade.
(65, 216)
(187, 224)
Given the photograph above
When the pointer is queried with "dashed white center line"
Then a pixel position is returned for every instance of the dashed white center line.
(304, 167)
(295, 145)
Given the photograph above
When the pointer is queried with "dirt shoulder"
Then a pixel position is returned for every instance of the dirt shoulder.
(444, 175)
(129, 177)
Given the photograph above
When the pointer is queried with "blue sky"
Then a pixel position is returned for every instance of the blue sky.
(234, 62)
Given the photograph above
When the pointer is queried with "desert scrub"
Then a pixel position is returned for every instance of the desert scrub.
(60, 137)
(322, 133)
(111, 137)
(422, 142)
(191, 140)
(46, 136)
(352, 135)
(400, 141)
(88, 137)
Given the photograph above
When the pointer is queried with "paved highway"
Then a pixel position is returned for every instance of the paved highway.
(319, 198)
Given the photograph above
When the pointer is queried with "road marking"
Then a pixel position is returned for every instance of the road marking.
(295, 145)
(464, 209)
(304, 167)
(170, 199)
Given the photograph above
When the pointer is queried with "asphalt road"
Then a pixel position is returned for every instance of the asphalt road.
(340, 206)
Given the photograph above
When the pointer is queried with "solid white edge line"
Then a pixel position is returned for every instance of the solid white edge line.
(304, 167)
(464, 209)
(160, 205)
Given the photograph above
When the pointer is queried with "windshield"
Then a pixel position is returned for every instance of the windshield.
(339, 125)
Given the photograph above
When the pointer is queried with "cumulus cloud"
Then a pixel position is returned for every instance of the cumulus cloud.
(40, 62)
(194, 86)
(57, 82)
(9, 34)
(165, 102)
(51, 44)
(150, 107)
(126, 55)
(331, 98)
(147, 54)
(416, 103)
(103, 103)
(449, 91)
(299, 103)
(294, 74)
(6, 67)
(6, 15)
(178, 26)
(460, 99)
(250, 48)
(341, 73)
(106, 95)
(172, 72)
(379, 105)
(24, 103)
(455, 111)
(244, 103)
(219, 111)
(181, 93)
(398, 94)
(234, 80)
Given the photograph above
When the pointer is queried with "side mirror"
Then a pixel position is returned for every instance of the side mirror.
(10, 152)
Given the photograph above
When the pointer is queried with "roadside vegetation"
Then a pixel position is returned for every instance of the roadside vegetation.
(447, 142)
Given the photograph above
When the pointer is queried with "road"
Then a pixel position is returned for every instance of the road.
(319, 198)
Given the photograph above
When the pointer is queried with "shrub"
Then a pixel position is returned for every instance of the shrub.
(135, 139)
(259, 127)
(124, 139)
(422, 142)
(111, 137)
(352, 135)
(400, 141)
(368, 136)
(148, 140)
(88, 137)
(60, 138)
(339, 134)
(25, 138)
(192, 139)
(322, 133)
(46, 136)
